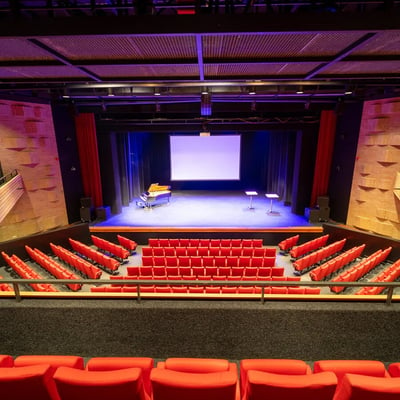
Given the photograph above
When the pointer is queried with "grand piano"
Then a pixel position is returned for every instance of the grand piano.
(154, 195)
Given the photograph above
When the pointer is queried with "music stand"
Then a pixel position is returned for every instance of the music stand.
(271, 196)
(251, 193)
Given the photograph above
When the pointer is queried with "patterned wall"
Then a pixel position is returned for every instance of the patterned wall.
(28, 144)
(375, 196)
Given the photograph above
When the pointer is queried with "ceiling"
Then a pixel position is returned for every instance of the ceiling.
(182, 59)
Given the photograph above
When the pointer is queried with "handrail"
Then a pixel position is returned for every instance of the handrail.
(138, 282)
(8, 176)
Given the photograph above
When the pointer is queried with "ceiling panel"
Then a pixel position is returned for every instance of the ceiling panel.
(16, 49)
(145, 71)
(45, 72)
(384, 43)
(258, 69)
(124, 47)
(377, 68)
(272, 45)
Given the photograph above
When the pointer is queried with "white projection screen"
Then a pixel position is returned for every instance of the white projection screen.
(201, 158)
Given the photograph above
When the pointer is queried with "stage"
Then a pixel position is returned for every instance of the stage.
(206, 210)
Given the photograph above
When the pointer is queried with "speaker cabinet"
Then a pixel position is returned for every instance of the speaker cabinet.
(323, 201)
(86, 202)
(86, 214)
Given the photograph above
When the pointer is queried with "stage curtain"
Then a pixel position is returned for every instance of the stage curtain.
(89, 158)
(281, 149)
(326, 138)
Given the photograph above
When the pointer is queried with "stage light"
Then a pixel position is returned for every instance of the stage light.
(205, 108)
(252, 91)
(157, 92)
(300, 90)
(204, 91)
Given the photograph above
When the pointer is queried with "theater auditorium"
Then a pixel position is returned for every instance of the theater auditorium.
(199, 197)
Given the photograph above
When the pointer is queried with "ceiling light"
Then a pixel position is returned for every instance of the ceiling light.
(204, 91)
(252, 91)
(300, 90)
(157, 92)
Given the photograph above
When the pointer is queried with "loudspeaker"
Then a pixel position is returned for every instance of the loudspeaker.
(324, 213)
(312, 214)
(103, 213)
(86, 214)
(323, 201)
(86, 202)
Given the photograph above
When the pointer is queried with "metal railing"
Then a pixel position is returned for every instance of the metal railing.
(388, 297)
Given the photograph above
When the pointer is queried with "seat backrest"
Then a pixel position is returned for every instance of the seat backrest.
(361, 367)
(33, 382)
(361, 387)
(265, 385)
(196, 365)
(123, 384)
(115, 363)
(172, 385)
(275, 366)
(54, 361)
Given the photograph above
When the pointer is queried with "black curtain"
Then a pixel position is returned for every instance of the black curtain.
(280, 164)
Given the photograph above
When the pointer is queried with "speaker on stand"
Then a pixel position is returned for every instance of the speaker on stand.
(86, 210)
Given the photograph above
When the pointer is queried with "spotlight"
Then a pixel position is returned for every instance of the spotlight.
(157, 92)
(252, 91)
(300, 90)
(204, 91)
(206, 104)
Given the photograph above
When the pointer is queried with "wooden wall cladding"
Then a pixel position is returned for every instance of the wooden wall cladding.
(375, 195)
(28, 144)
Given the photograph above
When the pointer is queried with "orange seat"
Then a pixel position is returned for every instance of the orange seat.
(6, 361)
(123, 384)
(54, 361)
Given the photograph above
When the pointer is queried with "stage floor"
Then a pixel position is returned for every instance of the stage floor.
(205, 209)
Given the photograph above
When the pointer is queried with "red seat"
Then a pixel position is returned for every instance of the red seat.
(54, 361)
(342, 367)
(394, 370)
(33, 382)
(266, 385)
(123, 384)
(173, 385)
(359, 387)
(197, 365)
(115, 363)
(276, 366)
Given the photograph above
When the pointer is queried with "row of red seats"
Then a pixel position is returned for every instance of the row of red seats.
(160, 271)
(101, 259)
(127, 243)
(112, 248)
(355, 272)
(307, 247)
(26, 272)
(390, 274)
(5, 287)
(53, 267)
(185, 242)
(196, 289)
(336, 263)
(323, 253)
(84, 266)
(286, 244)
(208, 261)
(138, 378)
(209, 251)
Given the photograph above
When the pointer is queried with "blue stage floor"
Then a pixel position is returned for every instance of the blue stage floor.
(204, 209)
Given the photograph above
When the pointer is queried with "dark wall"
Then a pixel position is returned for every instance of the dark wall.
(344, 155)
(64, 127)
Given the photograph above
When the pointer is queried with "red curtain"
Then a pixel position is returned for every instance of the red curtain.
(326, 138)
(89, 157)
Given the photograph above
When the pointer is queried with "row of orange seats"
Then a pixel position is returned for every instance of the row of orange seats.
(315, 257)
(101, 259)
(139, 378)
(80, 264)
(307, 247)
(357, 271)
(187, 242)
(287, 244)
(146, 272)
(197, 289)
(112, 248)
(53, 267)
(5, 287)
(26, 272)
(209, 251)
(336, 263)
(208, 261)
(390, 274)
